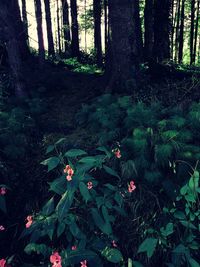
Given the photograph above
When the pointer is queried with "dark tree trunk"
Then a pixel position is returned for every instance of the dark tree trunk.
(123, 46)
(75, 30)
(38, 14)
(8, 24)
(162, 27)
(181, 40)
(51, 51)
(196, 31)
(97, 31)
(177, 21)
(192, 31)
(58, 27)
(138, 30)
(106, 24)
(149, 29)
(66, 27)
(172, 31)
(25, 20)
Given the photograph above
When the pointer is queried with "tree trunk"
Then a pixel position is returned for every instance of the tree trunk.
(25, 20)
(181, 40)
(196, 32)
(38, 14)
(149, 29)
(177, 20)
(8, 23)
(106, 25)
(138, 30)
(58, 27)
(162, 26)
(75, 30)
(192, 31)
(51, 51)
(66, 27)
(97, 31)
(123, 46)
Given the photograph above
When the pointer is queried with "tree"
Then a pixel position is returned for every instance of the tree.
(192, 31)
(149, 29)
(38, 14)
(123, 49)
(137, 30)
(25, 20)
(66, 27)
(177, 28)
(180, 54)
(162, 26)
(51, 51)
(74, 29)
(97, 31)
(58, 26)
(196, 31)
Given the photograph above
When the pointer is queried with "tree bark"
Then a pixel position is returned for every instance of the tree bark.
(162, 27)
(123, 46)
(97, 31)
(25, 20)
(181, 40)
(192, 31)
(66, 26)
(106, 25)
(58, 27)
(196, 31)
(74, 29)
(177, 20)
(149, 29)
(51, 51)
(38, 14)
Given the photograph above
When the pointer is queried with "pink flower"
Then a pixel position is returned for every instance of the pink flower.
(114, 244)
(29, 221)
(69, 178)
(83, 263)
(74, 247)
(131, 187)
(89, 185)
(3, 191)
(2, 228)
(69, 171)
(117, 153)
(2, 263)
(56, 259)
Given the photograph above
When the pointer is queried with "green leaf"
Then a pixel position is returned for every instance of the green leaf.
(37, 248)
(112, 255)
(184, 190)
(64, 204)
(110, 171)
(188, 225)
(60, 229)
(105, 227)
(168, 230)
(179, 215)
(105, 150)
(148, 246)
(84, 192)
(60, 141)
(49, 207)
(88, 160)
(59, 186)
(52, 163)
(50, 149)
(194, 181)
(193, 263)
(74, 257)
(3, 204)
(73, 153)
(137, 264)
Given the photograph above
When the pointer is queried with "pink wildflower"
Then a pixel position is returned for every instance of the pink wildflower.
(117, 153)
(3, 191)
(114, 244)
(89, 185)
(2, 228)
(131, 187)
(2, 263)
(74, 247)
(83, 263)
(29, 221)
(69, 171)
(69, 178)
(56, 259)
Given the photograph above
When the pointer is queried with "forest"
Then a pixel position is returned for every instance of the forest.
(100, 133)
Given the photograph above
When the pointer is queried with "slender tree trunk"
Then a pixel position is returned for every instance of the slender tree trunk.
(8, 23)
(85, 9)
(25, 20)
(177, 19)
(196, 32)
(97, 31)
(181, 40)
(149, 29)
(66, 27)
(162, 26)
(38, 14)
(58, 26)
(75, 29)
(123, 46)
(51, 51)
(138, 30)
(106, 24)
(172, 31)
(192, 30)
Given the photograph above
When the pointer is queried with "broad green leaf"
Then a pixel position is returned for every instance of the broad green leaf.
(194, 181)
(73, 153)
(111, 187)
(84, 192)
(88, 160)
(179, 215)
(76, 256)
(184, 190)
(105, 227)
(37, 248)
(59, 186)
(50, 149)
(110, 171)
(137, 264)
(105, 150)
(75, 230)
(52, 163)
(168, 230)
(60, 229)
(64, 204)
(188, 225)
(112, 255)
(105, 214)
(148, 246)
(193, 263)
(3, 204)
(49, 207)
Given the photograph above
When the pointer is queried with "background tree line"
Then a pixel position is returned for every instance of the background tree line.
(135, 32)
